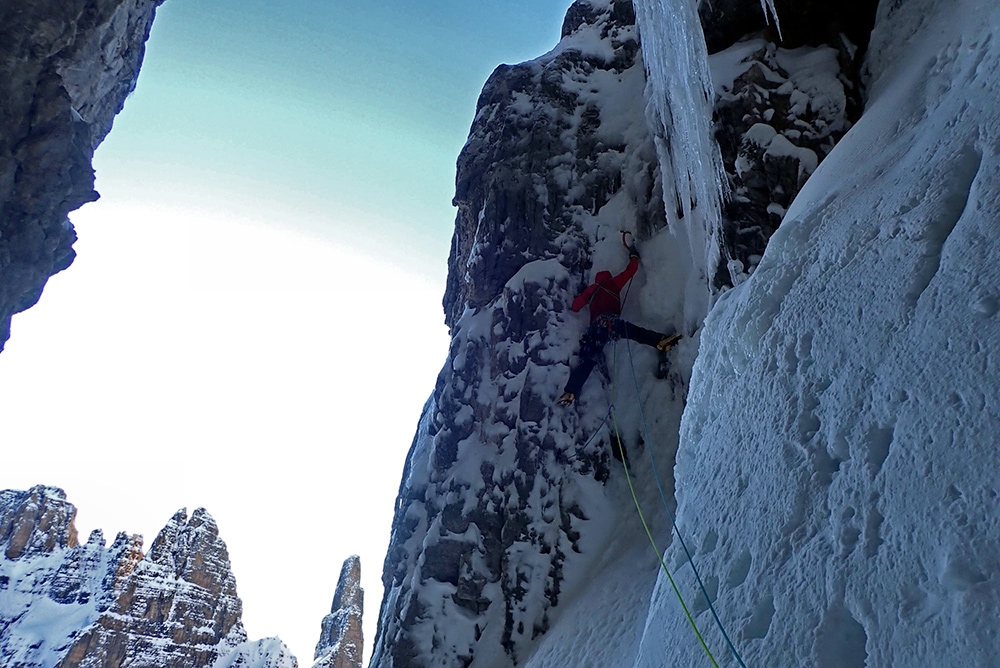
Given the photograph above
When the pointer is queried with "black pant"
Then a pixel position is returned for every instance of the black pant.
(605, 328)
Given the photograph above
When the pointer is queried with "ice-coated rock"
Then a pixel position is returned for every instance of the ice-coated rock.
(847, 390)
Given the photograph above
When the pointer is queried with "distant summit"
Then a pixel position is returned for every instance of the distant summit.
(67, 604)
(341, 642)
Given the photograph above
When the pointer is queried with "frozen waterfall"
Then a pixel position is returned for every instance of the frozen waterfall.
(680, 100)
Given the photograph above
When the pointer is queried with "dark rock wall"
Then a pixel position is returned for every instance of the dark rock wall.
(773, 131)
(66, 67)
(765, 177)
(803, 22)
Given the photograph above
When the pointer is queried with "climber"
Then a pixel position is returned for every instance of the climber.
(604, 298)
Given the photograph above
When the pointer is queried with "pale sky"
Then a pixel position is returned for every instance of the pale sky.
(253, 322)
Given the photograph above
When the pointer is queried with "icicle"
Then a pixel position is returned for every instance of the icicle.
(768, 7)
(680, 102)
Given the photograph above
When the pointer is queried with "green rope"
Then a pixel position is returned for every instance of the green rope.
(642, 518)
(670, 514)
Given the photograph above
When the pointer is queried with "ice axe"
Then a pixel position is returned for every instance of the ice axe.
(632, 250)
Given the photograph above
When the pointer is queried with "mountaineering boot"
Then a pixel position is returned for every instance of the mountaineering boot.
(667, 342)
(664, 346)
(566, 399)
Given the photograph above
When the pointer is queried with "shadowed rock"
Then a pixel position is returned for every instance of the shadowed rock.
(66, 67)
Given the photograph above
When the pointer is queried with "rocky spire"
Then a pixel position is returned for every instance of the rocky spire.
(341, 643)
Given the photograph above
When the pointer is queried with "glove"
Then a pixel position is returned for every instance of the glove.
(633, 252)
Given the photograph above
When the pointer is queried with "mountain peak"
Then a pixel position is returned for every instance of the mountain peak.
(36, 522)
(341, 642)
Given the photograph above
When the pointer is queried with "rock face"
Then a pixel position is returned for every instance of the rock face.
(803, 22)
(36, 522)
(70, 605)
(542, 154)
(782, 109)
(341, 642)
(65, 70)
(487, 534)
(508, 504)
(779, 114)
(182, 591)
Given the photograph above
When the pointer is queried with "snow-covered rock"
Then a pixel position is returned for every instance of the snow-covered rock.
(66, 605)
(341, 642)
(833, 469)
(266, 653)
(503, 514)
(779, 113)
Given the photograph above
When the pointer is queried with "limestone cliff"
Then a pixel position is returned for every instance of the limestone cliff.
(341, 643)
(70, 605)
(65, 70)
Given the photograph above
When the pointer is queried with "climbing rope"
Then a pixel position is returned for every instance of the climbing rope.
(642, 517)
(659, 485)
(663, 496)
(670, 514)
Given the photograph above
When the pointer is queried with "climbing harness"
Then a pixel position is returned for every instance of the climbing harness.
(607, 322)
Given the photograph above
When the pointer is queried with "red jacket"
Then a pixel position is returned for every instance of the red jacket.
(604, 295)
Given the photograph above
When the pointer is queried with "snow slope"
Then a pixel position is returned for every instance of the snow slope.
(837, 451)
